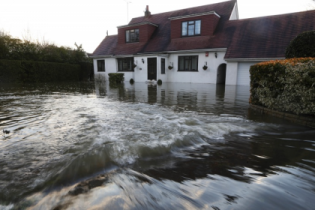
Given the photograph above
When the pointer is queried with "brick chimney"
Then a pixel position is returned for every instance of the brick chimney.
(147, 13)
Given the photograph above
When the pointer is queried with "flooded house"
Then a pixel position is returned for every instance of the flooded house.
(204, 44)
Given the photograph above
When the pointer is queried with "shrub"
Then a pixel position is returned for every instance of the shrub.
(131, 81)
(115, 78)
(159, 82)
(302, 46)
(286, 85)
(32, 71)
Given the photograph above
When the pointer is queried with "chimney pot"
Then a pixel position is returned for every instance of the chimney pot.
(147, 13)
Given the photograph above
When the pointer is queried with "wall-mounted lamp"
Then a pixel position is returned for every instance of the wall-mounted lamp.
(216, 54)
(142, 60)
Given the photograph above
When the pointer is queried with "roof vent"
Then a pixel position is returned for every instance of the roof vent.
(147, 13)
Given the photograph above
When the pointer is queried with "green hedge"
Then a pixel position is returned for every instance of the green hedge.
(32, 71)
(286, 85)
(115, 78)
(302, 46)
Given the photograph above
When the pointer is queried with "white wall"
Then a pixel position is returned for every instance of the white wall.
(140, 73)
(234, 14)
(231, 73)
(243, 76)
(202, 76)
(111, 66)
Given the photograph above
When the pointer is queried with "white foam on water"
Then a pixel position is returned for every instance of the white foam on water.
(8, 207)
(139, 130)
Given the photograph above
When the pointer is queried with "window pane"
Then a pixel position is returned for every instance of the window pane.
(181, 63)
(191, 30)
(194, 63)
(187, 64)
(184, 28)
(163, 66)
(197, 26)
(127, 36)
(137, 35)
(100, 65)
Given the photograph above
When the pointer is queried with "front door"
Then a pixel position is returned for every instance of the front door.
(152, 68)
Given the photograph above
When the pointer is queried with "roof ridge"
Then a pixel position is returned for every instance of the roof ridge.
(186, 8)
(277, 15)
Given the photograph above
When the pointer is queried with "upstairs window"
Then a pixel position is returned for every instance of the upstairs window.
(125, 64)
(100, 65)
(132, 35)
(188, 63)
(191, 28)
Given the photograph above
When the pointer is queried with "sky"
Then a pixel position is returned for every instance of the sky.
(65, 22)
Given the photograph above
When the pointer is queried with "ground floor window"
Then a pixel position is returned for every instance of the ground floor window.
(188, 63)
(100, 65)
(162, 65)
(125, 64)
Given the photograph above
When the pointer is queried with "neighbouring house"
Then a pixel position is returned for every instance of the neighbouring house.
(205, 44)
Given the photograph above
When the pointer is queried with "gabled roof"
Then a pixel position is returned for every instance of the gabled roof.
(267, 37)
(161, 38)
(106, 47)
(263, 37)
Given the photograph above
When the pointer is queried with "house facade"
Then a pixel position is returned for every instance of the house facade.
(206, 44)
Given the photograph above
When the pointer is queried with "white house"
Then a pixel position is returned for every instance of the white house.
(205, 44)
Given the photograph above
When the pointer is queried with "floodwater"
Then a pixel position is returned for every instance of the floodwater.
(175, 146)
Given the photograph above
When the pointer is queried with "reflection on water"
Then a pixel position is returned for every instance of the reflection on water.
(140, 146)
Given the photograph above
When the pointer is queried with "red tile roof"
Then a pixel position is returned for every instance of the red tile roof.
(267, 37)
(263, 37)
(107, 46)
(161, 39)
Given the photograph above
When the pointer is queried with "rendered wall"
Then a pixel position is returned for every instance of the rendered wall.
(111, 66)
(231, 73)
(202, 76)
(140, 73)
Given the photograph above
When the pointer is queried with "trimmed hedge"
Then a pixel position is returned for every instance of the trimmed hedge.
(115, 78)
(302, 46)
(32, 71)
(284, 85)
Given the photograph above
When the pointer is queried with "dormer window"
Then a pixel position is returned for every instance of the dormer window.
(191, 28)
(132, 35)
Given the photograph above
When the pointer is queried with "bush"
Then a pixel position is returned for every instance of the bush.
(302, 46)
(286, 85)
(159, 82)
(131, 81)
(9, 71)
(115, 78)
(31, 71)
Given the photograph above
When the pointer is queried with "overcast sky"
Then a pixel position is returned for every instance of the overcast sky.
(65, 22)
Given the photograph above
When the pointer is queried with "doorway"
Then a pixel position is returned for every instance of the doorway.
(152, 68)
(221, 74)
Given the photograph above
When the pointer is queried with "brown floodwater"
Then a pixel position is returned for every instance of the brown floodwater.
(140, 146)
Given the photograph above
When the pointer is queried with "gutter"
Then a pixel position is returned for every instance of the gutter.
(194, 15)
(163, 54)
(252, 59)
